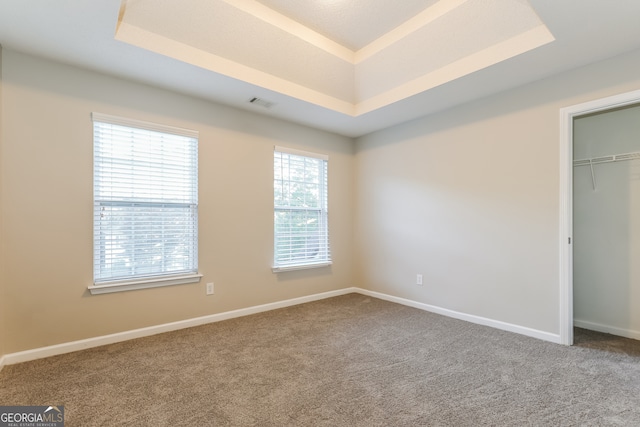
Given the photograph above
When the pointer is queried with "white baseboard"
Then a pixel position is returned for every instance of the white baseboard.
(627, 333)
(39, 353)
(546, 336)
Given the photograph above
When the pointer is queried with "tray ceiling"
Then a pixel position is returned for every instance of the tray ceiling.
(346, 66)
(351, 23)
(250, 41)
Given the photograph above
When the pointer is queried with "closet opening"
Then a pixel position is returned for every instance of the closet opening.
(600, 217)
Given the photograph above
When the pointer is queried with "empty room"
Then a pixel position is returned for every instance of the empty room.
(321, 212)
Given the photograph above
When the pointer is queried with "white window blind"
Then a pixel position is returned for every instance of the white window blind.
(145, 200)
(300, 209)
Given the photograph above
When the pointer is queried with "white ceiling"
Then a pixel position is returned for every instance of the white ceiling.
(347, 66)
(337, 19)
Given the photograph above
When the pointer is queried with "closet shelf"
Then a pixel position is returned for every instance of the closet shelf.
(605, 159)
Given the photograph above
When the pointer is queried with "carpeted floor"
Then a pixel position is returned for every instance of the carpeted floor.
(345, 361)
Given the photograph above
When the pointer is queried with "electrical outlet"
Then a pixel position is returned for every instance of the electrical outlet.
(419, 279)
(210, 288)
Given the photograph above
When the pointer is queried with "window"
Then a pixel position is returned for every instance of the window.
(300, 210)
(145, 207)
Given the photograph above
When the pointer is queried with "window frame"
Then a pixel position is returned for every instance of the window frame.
(152, 280)
(323, 209)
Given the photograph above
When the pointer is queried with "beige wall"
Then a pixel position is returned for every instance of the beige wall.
(3, 299)
(47, 205)
(470, 199)
(606, 224)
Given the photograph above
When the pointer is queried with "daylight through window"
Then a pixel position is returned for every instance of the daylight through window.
(145, 217)
(300, 210)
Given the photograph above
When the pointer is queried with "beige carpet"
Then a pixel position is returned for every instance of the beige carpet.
(346, 361)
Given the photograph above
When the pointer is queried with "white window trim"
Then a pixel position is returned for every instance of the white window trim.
(106, 287)
(152, 282)
(300, 153)
(123, 121)
(284, 268)
(302, 266)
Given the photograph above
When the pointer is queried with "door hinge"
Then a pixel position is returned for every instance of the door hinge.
(569, 240)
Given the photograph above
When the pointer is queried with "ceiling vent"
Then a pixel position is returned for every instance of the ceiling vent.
(261, 102)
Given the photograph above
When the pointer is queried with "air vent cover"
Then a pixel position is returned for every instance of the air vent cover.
(261, 102)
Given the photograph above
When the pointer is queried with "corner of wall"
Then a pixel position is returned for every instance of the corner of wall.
(2, 288)
(247, 160)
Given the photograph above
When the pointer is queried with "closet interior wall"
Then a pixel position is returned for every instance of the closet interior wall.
(606, 221)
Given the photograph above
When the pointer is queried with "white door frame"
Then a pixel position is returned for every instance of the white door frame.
(567, 115)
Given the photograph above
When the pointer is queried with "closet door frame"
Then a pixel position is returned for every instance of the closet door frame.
(567, 115)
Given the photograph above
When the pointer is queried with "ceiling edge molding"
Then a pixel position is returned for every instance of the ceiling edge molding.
(294, 28)
(153, 42)
(422, 19)
(492, 55)
(270, 16)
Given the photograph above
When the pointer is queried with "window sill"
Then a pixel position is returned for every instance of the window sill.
(152, 282)
(285, 268)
